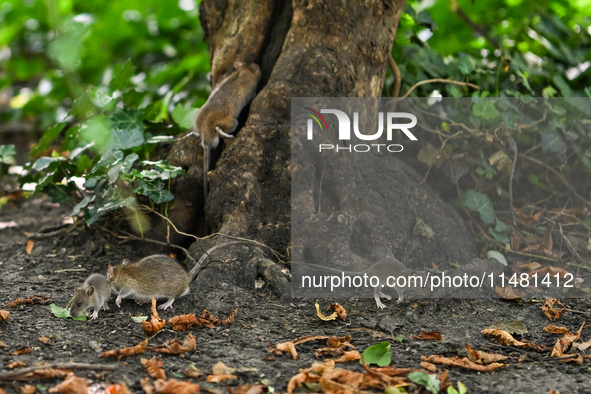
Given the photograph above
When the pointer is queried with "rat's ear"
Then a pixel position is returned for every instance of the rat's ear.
(90, 291)
(255, 68)
(126, 262)
(110, 271)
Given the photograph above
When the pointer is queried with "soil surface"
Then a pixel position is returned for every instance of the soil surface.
(55, 265)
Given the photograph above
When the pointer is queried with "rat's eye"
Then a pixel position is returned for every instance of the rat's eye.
(79, 304)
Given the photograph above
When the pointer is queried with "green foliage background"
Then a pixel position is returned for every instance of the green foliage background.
(107, 82)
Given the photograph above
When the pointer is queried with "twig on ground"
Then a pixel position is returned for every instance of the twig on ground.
(23, 371)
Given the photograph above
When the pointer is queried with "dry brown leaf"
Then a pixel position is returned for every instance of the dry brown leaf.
(175, 346)
(247, 389)
(30, 246)
(2, 344)
(22, 350)
(573, 358)
(33, 299)
(551, 312)
(154, 367)
(530, 220)
(128, 351)
(173, 386)
(4, 315)
(71, 385)
(146, 386)
(338, 308)
(538, 348)
(503, 337)
(508, 293)
(526, 267)
(183, 322)
(117, 388)
(155, 324)
(28, 389)
(192, 372)
(329, 352)
(428, 336)
(514, 240)
(429, 366)
(324, 317)
(285, 347)
(43, 339)
(2, 391)
(220, 378)
(45, 373)
(552, 329)
(220, 368)
(583, 346)
(339, 342)
(480, 357)
(16, 364)
(463, 363)
(347, 356)
(551, 271)
(564, 343)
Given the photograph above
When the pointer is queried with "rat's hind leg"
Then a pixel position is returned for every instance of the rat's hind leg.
(376, 296)
(167, 304)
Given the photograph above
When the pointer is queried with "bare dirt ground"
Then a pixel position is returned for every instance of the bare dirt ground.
(55, 265)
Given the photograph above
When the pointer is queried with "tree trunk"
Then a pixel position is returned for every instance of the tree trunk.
(315, 48)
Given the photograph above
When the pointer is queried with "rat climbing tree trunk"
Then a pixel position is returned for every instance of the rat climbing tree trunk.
(313, 48)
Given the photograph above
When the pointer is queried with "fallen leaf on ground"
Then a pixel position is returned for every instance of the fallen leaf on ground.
(173, 386)
(23, 350)
(30, 246)
(155, 324)
(175, 346)
(583, 346)
(193, 372)
(28, 389)
(247, 389)
(288, 347)
(2, 344)
(339, 342)
(463, 363)
(34, 299)
(573, 358)
(146, 386)
(429, 366)
(183, 322)
(508, 293)
(530, 220)
(480, 357)
(351, 355)
(71, 385)
(220, 378)
(16, 364)
(128, 351)
(503, 337)
(428, 336)
(564, 343)
(43, 339)
(44, 373)
(324, 317)
(4, 315)
(338, 308)
(154, 367)
(220, 368)
(117, 388)
(551, 312)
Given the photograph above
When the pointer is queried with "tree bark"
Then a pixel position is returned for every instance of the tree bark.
(313, 48)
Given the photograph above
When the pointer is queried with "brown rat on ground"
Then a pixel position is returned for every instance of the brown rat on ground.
(383, 269)
(94, 293)
(218, 116)
(158, 276)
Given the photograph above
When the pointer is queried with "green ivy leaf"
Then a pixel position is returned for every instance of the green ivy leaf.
(378, 354)
(480, 203)
(430, 382)
(485, 108)
(493, 254)
(48, 137)
(184, 117)
(64, 313)
(552, 142)
(500, 232)
(122, 76)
